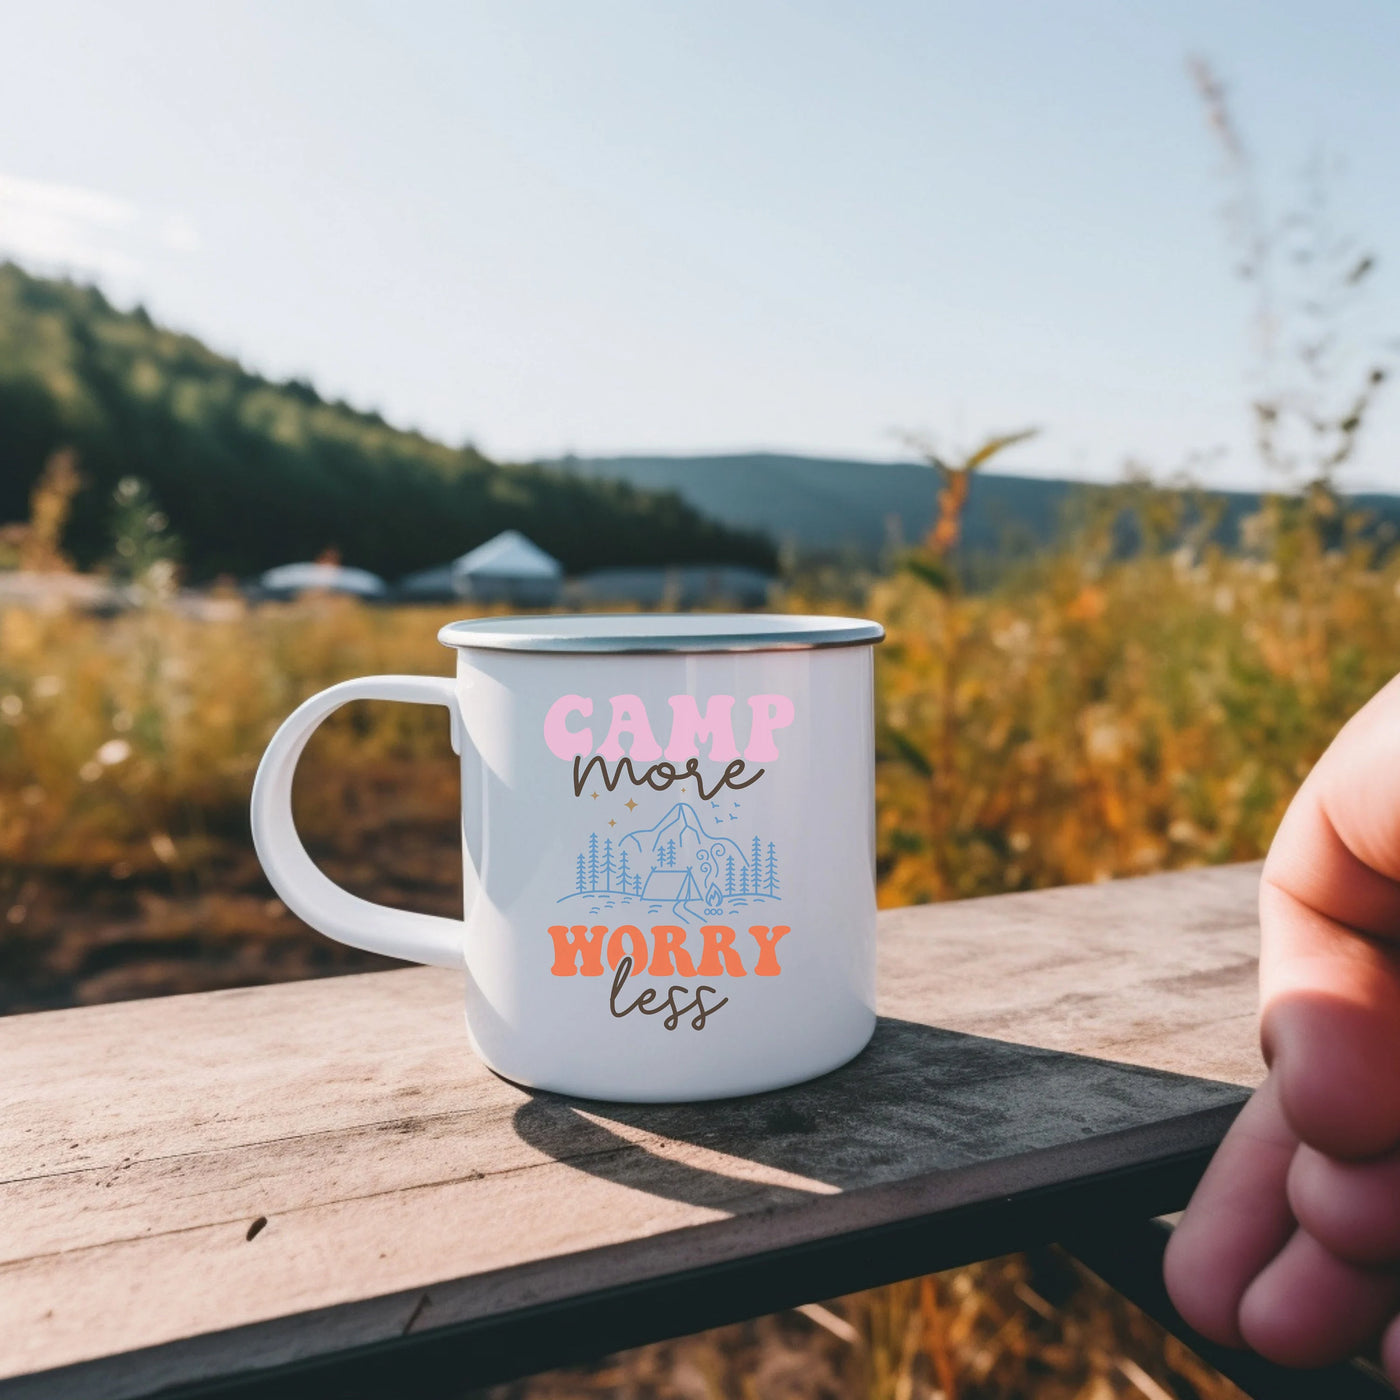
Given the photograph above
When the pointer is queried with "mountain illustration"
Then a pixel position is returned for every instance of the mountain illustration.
(682, 825)
(677, 862)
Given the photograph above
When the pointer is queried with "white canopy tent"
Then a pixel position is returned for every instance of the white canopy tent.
(506, 569)
(291, 580)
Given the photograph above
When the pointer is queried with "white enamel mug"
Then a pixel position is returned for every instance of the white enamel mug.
(668, 835)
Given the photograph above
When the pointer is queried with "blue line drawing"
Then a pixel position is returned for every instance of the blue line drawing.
(676, 866)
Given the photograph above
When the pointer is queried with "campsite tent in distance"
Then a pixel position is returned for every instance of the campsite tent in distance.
(513, 569)
(292, 580)
(506, 569)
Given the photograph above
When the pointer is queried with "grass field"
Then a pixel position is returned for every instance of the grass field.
(1091, 717)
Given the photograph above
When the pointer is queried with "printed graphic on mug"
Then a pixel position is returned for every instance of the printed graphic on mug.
(666, 898)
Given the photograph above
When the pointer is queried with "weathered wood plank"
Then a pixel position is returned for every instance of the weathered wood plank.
(1159, 972)
(140, 1141)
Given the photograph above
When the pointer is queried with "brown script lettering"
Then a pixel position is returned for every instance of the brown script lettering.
(674, 1009)
(660, 776)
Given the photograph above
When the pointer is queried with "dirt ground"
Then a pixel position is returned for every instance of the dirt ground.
(140, 928)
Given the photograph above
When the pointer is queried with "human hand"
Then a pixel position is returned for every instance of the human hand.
(1291, 1243)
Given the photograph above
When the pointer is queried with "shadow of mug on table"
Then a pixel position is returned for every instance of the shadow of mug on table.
(917, 1101)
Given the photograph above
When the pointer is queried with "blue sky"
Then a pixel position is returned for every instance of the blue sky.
(636, 225)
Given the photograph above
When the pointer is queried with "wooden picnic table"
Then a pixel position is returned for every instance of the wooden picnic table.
(315, 1188)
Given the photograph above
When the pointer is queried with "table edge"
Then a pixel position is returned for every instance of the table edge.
(899, 1230)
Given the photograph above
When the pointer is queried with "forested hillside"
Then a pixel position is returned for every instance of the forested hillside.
(253, 473)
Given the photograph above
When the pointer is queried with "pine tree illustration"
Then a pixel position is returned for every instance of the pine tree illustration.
(580, 885)
(626, 874)
(772, 869)
(757, 865)
(669, 859)
(607, 865)
(729, 877)
(593, 861)
(743, 879)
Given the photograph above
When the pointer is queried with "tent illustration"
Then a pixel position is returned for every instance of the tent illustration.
(670, 886)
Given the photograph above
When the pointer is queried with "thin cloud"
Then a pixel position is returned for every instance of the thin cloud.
(179, 235)
(69, 229)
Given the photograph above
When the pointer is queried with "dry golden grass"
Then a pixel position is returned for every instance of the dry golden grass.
(1032, 1327)
(1099, 718)
(133, 741)
(127, 752)
(1088, 719)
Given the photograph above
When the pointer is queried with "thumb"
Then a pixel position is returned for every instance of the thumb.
(1330, 959)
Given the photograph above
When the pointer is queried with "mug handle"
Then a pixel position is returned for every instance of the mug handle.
(397, 933)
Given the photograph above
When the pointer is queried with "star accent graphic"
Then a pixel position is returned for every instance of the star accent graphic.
(630, 805)
(611, 822)
(593, 795)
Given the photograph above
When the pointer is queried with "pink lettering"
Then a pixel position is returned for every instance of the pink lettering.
(565, 742)
(770, 712)
(689, 725)
(629, 716)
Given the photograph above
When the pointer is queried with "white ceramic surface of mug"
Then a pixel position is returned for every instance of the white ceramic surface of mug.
(668, 834)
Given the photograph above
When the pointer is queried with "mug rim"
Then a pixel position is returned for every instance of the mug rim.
(630, 633)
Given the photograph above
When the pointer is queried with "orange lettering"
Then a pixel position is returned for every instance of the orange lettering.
(670, 939)
(578, 943)
(767, 965)
(639, 946)
(719, 938)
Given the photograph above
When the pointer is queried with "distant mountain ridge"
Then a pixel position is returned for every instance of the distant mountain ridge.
(253, 473)
(825, 505)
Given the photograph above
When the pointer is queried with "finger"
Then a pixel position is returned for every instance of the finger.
(1352, 1209)
(1337, 849)
(1238, 1220)
(1331, 1027)
(1390, 1352)
(1309, 1308)
(1330, 913)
